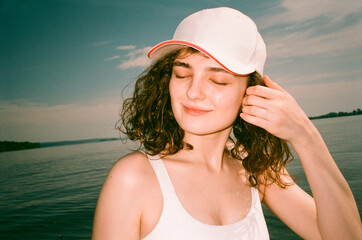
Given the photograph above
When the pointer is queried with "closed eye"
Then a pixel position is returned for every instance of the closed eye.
(219, 83)
(180, 71)
(181, 76)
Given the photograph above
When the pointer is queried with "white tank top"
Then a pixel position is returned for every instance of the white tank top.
(177, 224)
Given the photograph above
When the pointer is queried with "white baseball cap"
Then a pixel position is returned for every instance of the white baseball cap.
(224, 34)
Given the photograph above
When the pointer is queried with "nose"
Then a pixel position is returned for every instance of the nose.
(195, 90)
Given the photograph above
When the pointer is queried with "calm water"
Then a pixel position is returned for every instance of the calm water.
(51, 193)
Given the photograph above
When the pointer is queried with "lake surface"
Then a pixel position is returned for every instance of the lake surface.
(51, 193)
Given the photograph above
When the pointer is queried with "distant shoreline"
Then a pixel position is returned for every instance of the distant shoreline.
(6, 146)
(339, 114)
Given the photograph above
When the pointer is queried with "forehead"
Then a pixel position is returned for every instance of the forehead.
(192, 58)
(187, 52)
(195, 58)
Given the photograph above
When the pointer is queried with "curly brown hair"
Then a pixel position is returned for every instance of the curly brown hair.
(147, 117)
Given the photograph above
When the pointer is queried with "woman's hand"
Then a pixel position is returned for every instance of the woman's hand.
(275, 110)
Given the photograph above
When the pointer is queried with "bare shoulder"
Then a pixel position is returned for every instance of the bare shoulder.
(123, 197)
(131, 172)
(130, 164)
(127, 179)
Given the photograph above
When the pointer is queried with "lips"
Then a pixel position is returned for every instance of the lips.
(195, 111)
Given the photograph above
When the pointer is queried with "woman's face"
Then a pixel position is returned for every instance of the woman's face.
(205, 98)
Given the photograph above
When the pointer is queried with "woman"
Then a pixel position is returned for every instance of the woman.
(194, 181)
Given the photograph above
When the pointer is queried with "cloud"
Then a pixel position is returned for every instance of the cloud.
(112, 58)
(314, 42)
(127, 47)
(307, 28)
(136, 58)
(25, 120)
(306, 43)
(302, 11)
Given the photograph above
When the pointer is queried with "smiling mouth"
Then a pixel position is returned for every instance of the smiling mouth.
(195, 112)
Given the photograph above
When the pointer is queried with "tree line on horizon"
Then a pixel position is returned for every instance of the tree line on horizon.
(339, 114)
(6, 146)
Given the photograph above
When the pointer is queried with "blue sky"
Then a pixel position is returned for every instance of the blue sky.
(64, 63)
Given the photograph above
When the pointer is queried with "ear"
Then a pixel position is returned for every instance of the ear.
(273, 85)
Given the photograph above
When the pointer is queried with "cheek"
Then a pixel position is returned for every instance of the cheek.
(231, 100)
(175, 91)
(172, 88)
(239, 97)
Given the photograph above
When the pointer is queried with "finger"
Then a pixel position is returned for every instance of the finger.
(257, 121)
(253, 100)
(271, 84)
(255, 111)
(263, 92)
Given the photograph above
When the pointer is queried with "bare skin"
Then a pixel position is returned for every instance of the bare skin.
(130, 203)
(333, 207)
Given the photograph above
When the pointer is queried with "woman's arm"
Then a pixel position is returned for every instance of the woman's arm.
(335, 211)
(294, 207)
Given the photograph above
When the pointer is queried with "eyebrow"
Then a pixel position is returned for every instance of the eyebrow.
(210, 69)
(181, 64)
(217, 69)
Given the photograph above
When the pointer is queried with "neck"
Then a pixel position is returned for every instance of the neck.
(207, 149)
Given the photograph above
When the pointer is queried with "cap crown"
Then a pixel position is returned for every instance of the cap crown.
(224, 34)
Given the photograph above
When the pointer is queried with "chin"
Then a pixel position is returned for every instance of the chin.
(203, 129)
(203, 125)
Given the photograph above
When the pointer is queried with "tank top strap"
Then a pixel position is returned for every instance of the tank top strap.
(255, 198)
(162, 174)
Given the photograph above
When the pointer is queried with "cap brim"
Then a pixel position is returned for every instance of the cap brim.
(166, 47)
